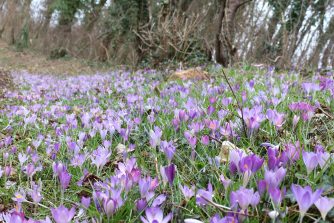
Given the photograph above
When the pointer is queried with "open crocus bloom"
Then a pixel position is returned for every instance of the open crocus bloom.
(155, 215)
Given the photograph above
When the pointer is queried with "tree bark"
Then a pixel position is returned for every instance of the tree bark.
(224, 39)
(323, 39)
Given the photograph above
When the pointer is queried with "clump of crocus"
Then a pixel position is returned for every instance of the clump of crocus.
(293, 151)
(35, 192)
(313, 159)
(252, 117)
(108, 200)
(235, 156)
(276, 159)
(305, 198)
(310, 87)
(192, 140)
(100, 157)
(249, 165)
(307, 110)
(276, 118)
(244, 197)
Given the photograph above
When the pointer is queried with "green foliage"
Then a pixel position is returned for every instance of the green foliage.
(123, 15)
(298, 9)
(67, 9)
(23, 41)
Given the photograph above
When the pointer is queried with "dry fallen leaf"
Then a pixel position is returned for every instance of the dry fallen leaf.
(120, 148)
(225, 150)
(193, 73)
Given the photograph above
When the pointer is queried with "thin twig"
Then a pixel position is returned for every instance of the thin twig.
(225, 208)
(240, 108)
(215, 139)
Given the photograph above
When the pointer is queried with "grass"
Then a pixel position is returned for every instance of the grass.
(106, 99)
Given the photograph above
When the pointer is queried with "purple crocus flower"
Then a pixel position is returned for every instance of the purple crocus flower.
(274, 178)
(168, 173)
(275, 118)
(158, 200)
(324, 205)
(155, 215)
(293, 151)
(191, 138)
(306, 109)
(78, 159)
(85, 201)
(323, 158)
(250, 163)
(64, 179)
(181, 114)
(109, 206)
(235, 155)
(1, 172)
(168, 148)
(100, 156)
(35, 193)
(155, 137)
(205, 140)
(310, 161)
(213, 124)
(141, 204)
(226, 219)
(62, 214)
(310, 87)
(30, 170)
(276, 159)
(305, 197)
(58, 168)
(188, 192)
(261, 186)
(19, 196)
(244, 197)
(295, 121)
(203, 196)
(22, 158)
(17, 217)
(8, 171)
(276, 195)
(253, 117)
(226, 182)
(147, 186)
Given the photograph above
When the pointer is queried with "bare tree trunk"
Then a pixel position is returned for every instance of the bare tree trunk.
(220, 55)
(323, 39)
(328, 54)
(224, 39)
(47, 16)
